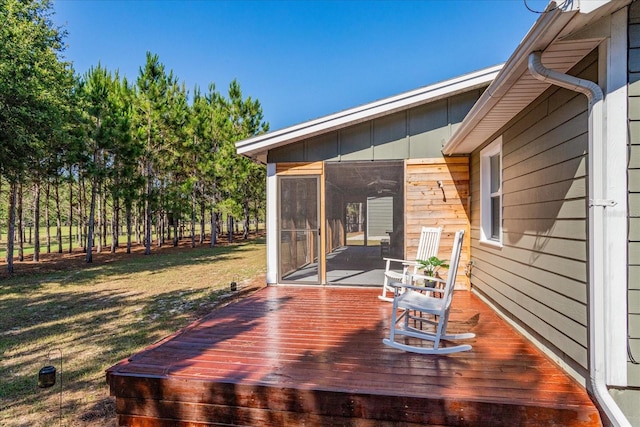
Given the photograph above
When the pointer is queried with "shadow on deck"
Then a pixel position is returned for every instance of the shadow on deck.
(291, 355)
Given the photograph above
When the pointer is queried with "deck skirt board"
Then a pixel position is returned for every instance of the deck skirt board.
(314, 356)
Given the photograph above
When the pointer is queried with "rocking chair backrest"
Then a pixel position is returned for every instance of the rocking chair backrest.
(453, 268)
(428, 246)
(429, 242)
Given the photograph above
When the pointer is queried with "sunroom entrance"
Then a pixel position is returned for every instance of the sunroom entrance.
(364, 219)
(361, 205)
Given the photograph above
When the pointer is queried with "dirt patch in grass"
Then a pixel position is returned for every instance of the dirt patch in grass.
(98, 314)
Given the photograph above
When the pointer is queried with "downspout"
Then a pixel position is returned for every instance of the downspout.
(597, 205)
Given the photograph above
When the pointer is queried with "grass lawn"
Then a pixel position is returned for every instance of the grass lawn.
(98, 314)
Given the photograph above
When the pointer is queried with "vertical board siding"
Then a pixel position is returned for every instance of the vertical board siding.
(428, 205)
(633, 371)
(415, 133)
(390, 139)
(539, 275)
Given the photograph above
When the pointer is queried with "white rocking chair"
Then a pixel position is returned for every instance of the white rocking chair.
(427, 247)
(419, 300)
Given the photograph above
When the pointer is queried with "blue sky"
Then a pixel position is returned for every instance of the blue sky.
(301, 59)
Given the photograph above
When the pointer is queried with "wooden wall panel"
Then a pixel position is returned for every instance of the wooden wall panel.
(428, 205)
(300, 168)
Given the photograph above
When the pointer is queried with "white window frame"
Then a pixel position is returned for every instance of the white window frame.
(486, 196)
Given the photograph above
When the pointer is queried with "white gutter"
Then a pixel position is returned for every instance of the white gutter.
(597, 205)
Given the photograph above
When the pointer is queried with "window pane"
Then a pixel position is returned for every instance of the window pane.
(495, 217)
(495, 173)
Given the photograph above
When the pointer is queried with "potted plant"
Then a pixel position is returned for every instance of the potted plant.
(431, 267)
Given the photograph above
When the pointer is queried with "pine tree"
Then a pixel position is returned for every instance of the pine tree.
(151, 105)
(32, 86)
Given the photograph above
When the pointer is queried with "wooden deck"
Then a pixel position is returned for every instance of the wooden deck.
(313, 356)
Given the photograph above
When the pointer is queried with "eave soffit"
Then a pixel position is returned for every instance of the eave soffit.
(565, 39)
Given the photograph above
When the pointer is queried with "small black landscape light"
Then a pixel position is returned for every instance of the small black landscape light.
(233, 286)
(47, 377)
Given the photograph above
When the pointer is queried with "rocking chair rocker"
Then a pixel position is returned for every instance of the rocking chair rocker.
(427, 247)
(416, 301)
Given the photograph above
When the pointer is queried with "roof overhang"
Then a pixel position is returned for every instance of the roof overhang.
(258, 146)
(564, 35)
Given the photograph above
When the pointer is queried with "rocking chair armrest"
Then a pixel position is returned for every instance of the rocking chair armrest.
(402, 261)
(425, 277)
(405, 262)
(398, 285)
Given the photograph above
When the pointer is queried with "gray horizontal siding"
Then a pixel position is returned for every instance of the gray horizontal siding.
(539, 276)
(419, 132)
(571, 188)
(548, 322)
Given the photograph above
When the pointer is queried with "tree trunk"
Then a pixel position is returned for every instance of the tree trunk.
(91, 229)
(128, 214)
(193, 218)
(70, 213)
(230, 227)
(257, 217)
(115, 224)
(160, 229)
(98, 216)
(245, 234)
(147, 213)
(11, 223)
(104, 215)
(36, 221)
(175, 230)
(20, 225)
(136, 223)
(214, 227)
(47, 220)
(58, 216)
(202, 221)
(82, 220)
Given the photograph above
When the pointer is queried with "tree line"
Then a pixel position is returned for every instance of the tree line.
(93, 155)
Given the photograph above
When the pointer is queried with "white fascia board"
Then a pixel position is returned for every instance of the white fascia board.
(447, 88)
(588, 6)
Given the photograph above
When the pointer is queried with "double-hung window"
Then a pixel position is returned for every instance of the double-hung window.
(491, 193)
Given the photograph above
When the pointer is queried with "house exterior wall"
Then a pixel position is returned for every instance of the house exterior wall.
(415, 135)
(539, 275)
(418, 132)
(634, 194)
